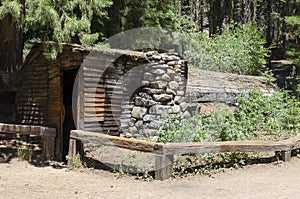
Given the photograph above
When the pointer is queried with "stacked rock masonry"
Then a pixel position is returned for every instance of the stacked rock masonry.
(161, 93)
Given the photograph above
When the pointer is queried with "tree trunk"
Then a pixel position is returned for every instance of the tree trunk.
(11, 43)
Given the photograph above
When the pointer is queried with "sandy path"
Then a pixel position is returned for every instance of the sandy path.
(22, 180)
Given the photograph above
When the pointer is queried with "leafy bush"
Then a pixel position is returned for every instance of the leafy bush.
(237, 50)
(258, 116)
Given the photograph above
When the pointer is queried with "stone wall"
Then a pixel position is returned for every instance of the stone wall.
(162, 92)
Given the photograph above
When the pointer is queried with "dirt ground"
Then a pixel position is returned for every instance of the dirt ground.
(20, 179)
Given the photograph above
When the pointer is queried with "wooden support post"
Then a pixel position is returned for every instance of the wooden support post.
(72, 151)
(163, 166)
(48, 147)
(286, 155)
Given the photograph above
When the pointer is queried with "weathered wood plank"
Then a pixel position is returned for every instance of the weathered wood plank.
(228, 146)
(108, 140)
(163, 166)
(27, 129)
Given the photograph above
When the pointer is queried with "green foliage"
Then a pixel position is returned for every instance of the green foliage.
(75, 162)
(237, 50)
(258, 116)
(10, 7)
(149, 13)
(25, 153)
(64, 21)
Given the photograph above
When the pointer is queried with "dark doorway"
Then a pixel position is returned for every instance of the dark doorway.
(8, 111)
(69, 77)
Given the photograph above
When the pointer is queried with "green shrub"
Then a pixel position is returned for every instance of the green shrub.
(237, 50)
(258, 116)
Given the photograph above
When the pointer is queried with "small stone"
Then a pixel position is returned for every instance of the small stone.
(128, 135)
(155, 124)
(138, 112)
(178, 99)
(145, 83)
(176, 109)
(150, 53)
(158, 72)
(156, 57)
(171, 72)
(154, 138)
(148, 76)
(172, 63)
(177, 78)
(165, 77)
(139, 124)
(181, 93)
(149, 118)
(145, 95)
(186, 115)
(132, 130)
(159, 109)
(170, 91)
(162, 97)
(173, 85)
(152, 91)
(184, 106)
(159, 84)
(139, 101)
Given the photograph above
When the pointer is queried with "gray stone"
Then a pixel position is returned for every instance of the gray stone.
(172, 63)
(186, 115)
(145, 83)
(152, 91)
(164, 77)
(139, 101)
(184, 106)
(171, 72)
(181, 93)
(149, 118)
(148, 76)
(145, 95)
(155, 124)
(139, 124)
(132, 130)
(177, 78)
(173, 85)
(162, 97)
(138, 112)
(160, 66)
(149, 132)
(159, 109)
(156, 57)
(176, 109)
(154, 138)
(128, 135)
(159, 84)
(169, 91)
(151, 53)
(178, 99)
(159, 72)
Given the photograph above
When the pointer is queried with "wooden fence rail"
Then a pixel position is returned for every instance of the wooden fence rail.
(48, 135)
(165, 151)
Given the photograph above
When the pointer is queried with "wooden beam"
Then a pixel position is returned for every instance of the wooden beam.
(226, 146)
(163, 167)
(48, 135)
(27, 129)
(103, 139)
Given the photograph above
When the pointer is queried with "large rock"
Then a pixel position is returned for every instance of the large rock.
(159, 84)
(173, 85)
(162, 97)
(138, 112)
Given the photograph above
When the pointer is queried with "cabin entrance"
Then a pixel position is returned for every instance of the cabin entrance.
(7, 107)
(68, 122)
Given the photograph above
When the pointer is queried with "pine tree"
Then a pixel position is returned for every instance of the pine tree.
(46, 20)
